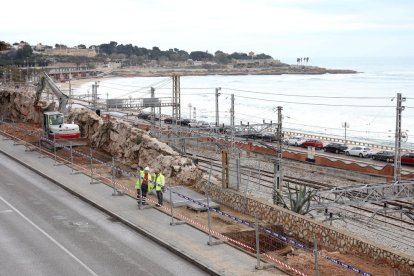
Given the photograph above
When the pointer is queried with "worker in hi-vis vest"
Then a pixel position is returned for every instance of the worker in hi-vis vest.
(159, 182)
(143, 185)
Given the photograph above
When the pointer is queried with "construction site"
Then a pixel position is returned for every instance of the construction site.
(295, 211)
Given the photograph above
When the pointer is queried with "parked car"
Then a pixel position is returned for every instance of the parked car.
(144, 115)
(408, 159)
(193, 124)
(269, 136)
(296, 141)
(203, 125)
(312, 143)
(387, 156)
(335, 147)
(185, 122)
(359, 151)
(168, 120)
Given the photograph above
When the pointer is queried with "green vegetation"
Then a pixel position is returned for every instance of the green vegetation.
(128, 51)
(21, 54)
(299, 199)
(4, 46)
(138, 140)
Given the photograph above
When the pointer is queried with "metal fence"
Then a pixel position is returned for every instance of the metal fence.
(266, 238)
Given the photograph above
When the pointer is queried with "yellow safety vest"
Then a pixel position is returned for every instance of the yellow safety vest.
(139, 181)
(159, 182)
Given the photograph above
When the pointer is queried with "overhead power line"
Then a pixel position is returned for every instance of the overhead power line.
(306, 96)
(127, 85)
(318, 104)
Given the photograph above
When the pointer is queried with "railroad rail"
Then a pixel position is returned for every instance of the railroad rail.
(267, 178)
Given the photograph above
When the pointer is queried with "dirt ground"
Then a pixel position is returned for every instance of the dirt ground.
(303, 261)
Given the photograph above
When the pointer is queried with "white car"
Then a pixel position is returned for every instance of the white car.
(296, 141)
(193, 124)
(359, 151)
(203, 124)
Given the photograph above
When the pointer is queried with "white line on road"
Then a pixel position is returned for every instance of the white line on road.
(50, 237)
(6, 211)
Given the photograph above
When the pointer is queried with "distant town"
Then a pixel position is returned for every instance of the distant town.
(129, 60)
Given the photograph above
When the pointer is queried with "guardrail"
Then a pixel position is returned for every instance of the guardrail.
(340, 140)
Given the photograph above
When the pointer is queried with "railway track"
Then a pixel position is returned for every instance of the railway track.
(265, 179)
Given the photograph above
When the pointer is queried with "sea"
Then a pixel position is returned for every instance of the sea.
(362, 104)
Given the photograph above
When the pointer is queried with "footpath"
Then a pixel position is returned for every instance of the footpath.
(185, 240)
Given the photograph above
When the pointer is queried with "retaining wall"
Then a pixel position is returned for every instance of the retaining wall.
(387, 171)
(304, 228)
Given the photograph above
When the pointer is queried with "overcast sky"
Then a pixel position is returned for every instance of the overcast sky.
(281, 28)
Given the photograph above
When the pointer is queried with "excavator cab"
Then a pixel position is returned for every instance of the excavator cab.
(51, 118)
(55, 128)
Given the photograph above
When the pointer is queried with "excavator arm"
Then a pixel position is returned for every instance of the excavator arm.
(46, 80)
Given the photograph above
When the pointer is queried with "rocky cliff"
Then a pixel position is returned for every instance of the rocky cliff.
(131, 146)
(134, 147)
(17, 104)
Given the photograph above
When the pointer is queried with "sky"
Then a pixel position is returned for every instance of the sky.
(281, 28)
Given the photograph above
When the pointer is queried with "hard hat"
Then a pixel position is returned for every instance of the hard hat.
(146, 169)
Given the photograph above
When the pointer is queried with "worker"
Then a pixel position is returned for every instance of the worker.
(143, 185)
(140, 170)
(159, 181)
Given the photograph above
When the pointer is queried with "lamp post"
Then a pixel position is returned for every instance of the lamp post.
(345, 125)
(27, 70)
(217, 106)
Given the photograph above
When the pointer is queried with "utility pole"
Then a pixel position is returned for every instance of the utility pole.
(95, 95)
(70, 95)
(107, 101)
(315, 252)
(153, 107)
(189, 109)
(345, 125)
(278, 185)
(232, 122)
(397, 155)
(217, 106)
(176, 100)
(27, 70)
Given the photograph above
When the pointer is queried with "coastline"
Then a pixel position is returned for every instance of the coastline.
(130, 72)
(284, 70)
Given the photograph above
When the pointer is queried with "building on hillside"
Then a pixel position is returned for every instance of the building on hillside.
(19, 45)
(71, 52)
(39, 47)
(250, 63)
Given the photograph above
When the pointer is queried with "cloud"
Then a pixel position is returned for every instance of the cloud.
(212, 25)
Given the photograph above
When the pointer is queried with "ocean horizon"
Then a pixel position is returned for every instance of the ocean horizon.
(313, 103)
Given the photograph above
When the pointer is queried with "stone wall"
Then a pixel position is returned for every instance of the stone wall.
(303, 228)
(386, 171)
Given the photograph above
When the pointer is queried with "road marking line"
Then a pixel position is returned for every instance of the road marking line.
(49, 237)
(6, 211)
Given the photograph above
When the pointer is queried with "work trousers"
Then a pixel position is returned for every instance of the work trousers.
(159, 196)
(144, 190)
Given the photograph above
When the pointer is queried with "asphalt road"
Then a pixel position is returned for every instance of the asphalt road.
(44, 230)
